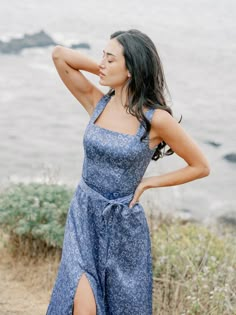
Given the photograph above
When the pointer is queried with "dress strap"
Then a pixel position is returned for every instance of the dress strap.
(99, 107)
(148, 114)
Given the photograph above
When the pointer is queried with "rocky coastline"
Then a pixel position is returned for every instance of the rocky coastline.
(39, 39)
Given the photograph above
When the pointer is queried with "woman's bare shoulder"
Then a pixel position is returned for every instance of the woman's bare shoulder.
(161, 118)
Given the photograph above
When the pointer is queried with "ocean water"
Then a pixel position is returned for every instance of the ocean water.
(42, 124)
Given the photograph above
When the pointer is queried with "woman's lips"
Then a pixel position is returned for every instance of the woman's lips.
(101, 74)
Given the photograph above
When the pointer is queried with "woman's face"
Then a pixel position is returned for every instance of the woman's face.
(113, 71)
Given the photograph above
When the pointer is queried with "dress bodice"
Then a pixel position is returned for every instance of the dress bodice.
(114, 163)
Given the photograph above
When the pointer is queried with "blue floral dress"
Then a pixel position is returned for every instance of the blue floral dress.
(104, 238)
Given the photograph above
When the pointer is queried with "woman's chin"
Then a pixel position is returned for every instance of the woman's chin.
(101, 82)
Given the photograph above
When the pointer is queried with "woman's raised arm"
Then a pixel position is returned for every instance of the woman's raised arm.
(68, 63)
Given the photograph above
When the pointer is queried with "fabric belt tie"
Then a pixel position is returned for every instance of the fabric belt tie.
(120, 204)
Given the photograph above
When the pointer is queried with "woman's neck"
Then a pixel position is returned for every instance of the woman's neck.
(120, 96)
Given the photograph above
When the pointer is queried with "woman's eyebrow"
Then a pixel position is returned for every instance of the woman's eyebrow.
(108, 53)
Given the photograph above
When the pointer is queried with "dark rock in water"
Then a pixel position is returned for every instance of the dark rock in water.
(213, 143)
(185, 215)
(80, 45)
(231, 157)
(228, 218)
(185, 210)
(15, 45)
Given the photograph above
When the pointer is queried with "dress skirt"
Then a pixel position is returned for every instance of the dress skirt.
(110, 243)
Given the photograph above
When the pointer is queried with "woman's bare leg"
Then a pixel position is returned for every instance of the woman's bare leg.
(84, 301)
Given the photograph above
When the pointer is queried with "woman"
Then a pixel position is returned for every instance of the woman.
(106, 265)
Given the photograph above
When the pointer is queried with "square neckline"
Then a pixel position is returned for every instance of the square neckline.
(114, 131)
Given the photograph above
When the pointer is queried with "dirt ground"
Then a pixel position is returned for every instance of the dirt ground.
(25, 286)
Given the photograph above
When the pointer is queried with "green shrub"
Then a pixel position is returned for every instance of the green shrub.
(35, 213)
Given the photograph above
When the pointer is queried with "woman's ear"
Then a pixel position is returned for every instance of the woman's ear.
(129, 75)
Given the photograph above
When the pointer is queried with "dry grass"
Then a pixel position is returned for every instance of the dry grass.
(194, 268)
(25, 283)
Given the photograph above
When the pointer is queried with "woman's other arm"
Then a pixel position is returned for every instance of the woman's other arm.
(170, 131)
(68, 63)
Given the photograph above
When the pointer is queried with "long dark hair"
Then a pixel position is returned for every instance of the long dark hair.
(147, 84)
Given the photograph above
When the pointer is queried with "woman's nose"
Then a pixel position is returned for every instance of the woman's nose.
(101, 65)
